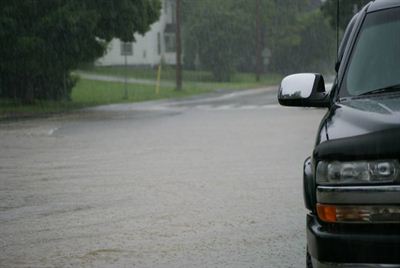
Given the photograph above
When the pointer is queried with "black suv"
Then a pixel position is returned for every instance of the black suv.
(352, 180)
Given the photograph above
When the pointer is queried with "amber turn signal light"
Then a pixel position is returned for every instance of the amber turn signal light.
(326, 213)
(358, 214)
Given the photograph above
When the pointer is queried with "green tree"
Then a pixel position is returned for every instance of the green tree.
(222, 34)
(305, 44)
(42, 41)
(216, 32)
(346, 11)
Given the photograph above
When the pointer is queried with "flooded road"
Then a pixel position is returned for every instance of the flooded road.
(211, 181)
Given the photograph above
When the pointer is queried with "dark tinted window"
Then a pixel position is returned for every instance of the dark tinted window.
(375, 60)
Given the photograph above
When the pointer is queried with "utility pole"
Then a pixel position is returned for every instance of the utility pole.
(178, 47)
(258, 41)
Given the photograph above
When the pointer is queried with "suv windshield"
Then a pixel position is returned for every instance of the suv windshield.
(374, 64)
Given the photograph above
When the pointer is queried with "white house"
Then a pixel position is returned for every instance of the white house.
(155, 46)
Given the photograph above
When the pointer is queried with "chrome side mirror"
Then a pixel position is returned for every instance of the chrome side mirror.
(304, 90)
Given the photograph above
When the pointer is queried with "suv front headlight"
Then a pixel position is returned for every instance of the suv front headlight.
(357, 172)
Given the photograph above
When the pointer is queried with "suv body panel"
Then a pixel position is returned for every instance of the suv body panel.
(355, 129)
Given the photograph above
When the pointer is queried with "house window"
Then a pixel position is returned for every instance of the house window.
(126, 48)
(144, 54)
(170, 42)
(159, 43)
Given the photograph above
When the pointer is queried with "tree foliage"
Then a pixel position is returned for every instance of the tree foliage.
(303, 42)
(42, 41)
(221, 36)
(216, 32)
(347, 8)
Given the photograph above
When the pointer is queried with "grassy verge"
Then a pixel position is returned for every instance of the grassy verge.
(168, 74)
(11, 109)
(90, 93)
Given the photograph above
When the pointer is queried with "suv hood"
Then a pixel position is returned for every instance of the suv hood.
(361, 128)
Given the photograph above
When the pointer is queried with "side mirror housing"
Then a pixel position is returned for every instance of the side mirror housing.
(303, 90)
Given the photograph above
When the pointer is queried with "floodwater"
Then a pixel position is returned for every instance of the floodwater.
(205, 182)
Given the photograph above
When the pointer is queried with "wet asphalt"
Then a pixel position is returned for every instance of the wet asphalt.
(211, 181)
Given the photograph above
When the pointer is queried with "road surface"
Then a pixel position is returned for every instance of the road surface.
(212, 181)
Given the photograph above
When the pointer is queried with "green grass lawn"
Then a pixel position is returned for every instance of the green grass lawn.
(90, 93)
(168, 74)
(10, 109)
